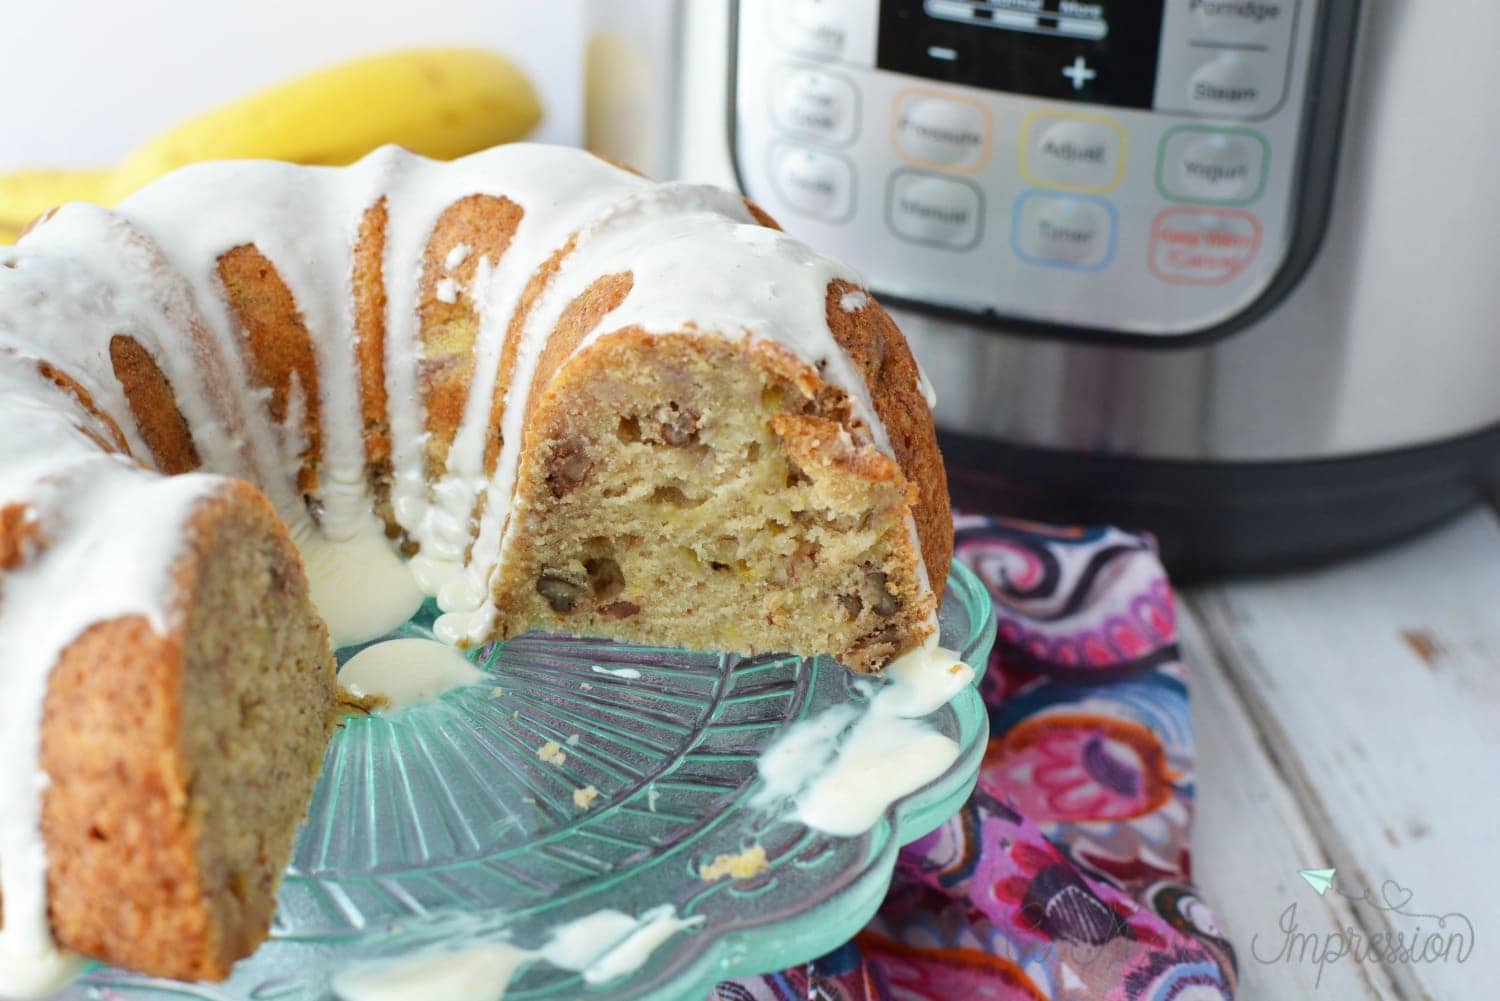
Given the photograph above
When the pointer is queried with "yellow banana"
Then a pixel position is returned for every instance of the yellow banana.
(439, 102)
(26, 194)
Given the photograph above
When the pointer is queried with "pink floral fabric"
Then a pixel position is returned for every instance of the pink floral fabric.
(1067, 875)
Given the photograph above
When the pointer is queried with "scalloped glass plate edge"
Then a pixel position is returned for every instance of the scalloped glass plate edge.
(760, 949)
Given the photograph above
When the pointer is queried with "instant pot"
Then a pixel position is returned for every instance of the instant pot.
(1219, 269)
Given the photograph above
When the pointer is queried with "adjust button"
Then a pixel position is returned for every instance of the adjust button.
(1225, 166)
(1064, 231)
(939, 211)
(952, 133)
(813, 182)
(1202, 246)
(815, 104)
(1073, 152)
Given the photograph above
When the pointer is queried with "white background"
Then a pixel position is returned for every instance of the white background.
(86, 81)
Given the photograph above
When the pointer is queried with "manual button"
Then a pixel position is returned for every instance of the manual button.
(1073, 152)
(938, 211)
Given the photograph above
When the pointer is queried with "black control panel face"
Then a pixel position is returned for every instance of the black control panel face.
(1102, 52)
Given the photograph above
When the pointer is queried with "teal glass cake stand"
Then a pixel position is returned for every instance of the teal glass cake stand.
(440, 827)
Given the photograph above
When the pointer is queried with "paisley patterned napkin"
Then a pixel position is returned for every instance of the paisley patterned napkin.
(1067, 874)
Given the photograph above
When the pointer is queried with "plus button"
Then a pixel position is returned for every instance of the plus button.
(1080, 73)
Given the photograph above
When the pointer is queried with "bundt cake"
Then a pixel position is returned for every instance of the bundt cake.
(258, 398)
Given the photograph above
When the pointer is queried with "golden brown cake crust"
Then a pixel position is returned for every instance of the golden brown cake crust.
(485, 225)
(136, 876)
(368, 282)
(85, 399)
(880, 350)
(153, 406)
(277, 346)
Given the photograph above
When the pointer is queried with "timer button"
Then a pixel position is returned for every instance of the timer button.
(813, 182)
(1073, 152)
(1064, 231)
(818, 29)
(946, 132)
(1227, 166)
(815, 104)
(938, 211)
(1237, 84)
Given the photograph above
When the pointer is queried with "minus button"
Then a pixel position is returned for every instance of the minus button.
(942, 52)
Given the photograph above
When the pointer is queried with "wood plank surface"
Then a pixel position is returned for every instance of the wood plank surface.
(1375, 686)
(1250, 838)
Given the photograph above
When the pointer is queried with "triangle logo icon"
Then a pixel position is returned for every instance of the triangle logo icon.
(1318, 879)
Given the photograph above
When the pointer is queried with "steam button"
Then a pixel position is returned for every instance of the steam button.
(1238, 84)
(813, 182)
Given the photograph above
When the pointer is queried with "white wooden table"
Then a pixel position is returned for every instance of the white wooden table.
(1350, 718)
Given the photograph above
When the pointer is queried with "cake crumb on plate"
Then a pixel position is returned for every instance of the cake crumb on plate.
(750, 862)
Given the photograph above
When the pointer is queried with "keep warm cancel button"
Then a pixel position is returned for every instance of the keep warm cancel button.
(1203, 246)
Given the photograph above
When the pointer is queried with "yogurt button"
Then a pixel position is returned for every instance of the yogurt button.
(813, 182)
(935, 130)
(815, 104)
(939, 211)
(1208, 165)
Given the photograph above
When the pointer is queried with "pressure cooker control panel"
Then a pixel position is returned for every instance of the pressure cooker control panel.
(1121, 166)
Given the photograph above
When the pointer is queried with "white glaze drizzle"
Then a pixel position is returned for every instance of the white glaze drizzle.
(841, 769)
(407, 672)
(628, 673)
(602, 946)
(149, 270)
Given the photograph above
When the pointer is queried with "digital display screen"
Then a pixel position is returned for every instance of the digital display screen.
(1100, 52)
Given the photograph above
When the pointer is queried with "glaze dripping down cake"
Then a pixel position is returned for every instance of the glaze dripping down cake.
(260, 411)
